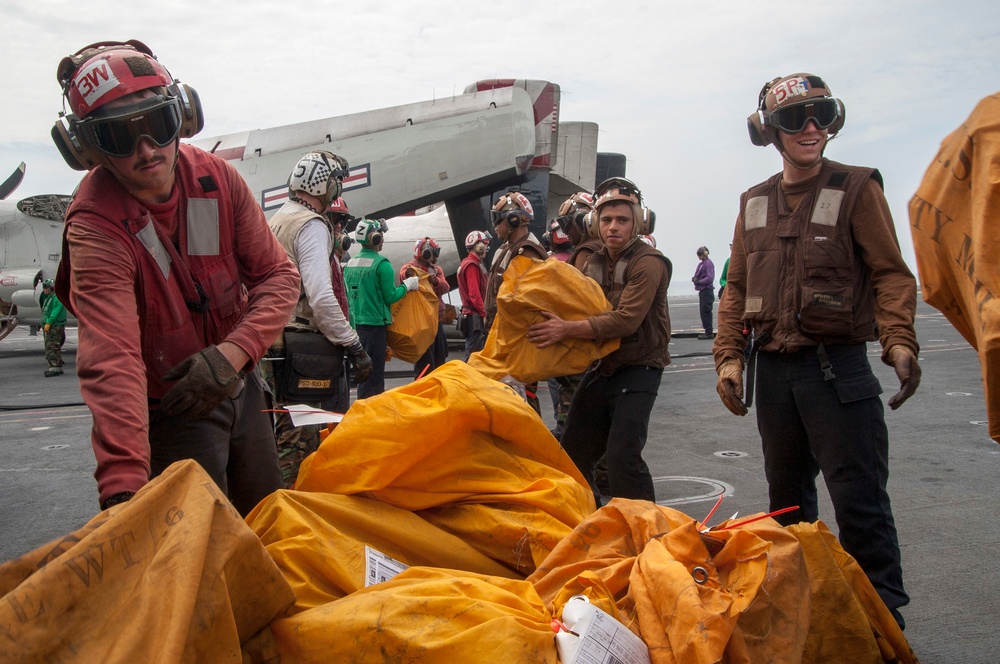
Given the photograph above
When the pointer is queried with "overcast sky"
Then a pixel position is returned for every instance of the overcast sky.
(670, 84)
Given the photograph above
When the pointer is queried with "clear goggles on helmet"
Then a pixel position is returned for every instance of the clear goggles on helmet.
(617, 189)
(158, 118)
(513, 216)
(567, 221)
(793, 119)
(435, 251)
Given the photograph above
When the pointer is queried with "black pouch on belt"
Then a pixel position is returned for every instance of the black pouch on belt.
(311, 368)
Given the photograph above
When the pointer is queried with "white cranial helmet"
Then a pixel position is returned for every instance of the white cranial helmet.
(321, 174)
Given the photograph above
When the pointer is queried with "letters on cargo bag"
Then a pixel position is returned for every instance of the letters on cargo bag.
(173, 575)
(953, 219)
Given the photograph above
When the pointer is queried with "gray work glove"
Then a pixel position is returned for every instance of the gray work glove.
(362, 363)
(730, 386)
(412, 283)
(203, 381)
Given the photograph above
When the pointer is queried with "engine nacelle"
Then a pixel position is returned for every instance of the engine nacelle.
(25, 283)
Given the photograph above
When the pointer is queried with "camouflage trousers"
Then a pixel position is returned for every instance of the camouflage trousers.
(294, 443)
(54, 340)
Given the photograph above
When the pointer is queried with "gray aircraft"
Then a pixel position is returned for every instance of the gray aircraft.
(433, 168)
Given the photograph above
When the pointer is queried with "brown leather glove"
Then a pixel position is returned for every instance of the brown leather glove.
(203, 381)
(907, 370)
(730, 386)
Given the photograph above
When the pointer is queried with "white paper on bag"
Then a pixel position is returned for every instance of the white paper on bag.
(303, 415)
(380, 567)
(601, 640)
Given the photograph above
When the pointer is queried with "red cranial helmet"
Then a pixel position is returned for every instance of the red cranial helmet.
(153, 105)
(426, 248)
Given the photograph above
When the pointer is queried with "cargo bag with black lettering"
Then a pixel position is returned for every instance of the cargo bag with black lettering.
(311, 368)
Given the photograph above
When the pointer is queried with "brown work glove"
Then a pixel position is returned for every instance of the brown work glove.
(730, 386)
(907, 370)
(203, 381)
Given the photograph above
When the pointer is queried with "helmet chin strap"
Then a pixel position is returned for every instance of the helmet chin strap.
(803, 167)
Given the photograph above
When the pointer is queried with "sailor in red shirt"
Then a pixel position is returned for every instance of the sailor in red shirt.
(178, 285)
(472, 276)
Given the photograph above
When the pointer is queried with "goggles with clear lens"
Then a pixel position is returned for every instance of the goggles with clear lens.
(793, 119)
(498, 216)
(568, 221)
(118, 136)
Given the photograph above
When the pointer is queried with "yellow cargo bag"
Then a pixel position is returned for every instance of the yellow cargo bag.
(531, 286)
(173, 575)
(318, 542)
(414, 321)
(954, 221)
(424, 615)
(464, 452)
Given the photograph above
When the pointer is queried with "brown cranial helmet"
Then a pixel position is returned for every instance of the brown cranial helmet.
(789, 103)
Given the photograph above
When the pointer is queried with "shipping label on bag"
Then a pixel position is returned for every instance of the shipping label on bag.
(380, 567)
(595, 637)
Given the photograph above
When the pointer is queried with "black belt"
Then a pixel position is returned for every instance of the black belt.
(755, 345)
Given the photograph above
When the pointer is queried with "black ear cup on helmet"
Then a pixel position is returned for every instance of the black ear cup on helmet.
(193, 120)
(648, 222)
(77, 152)
(590, 226)
(344, 242)
(645, 225)
(760, 135)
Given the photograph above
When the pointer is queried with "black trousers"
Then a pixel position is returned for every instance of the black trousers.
(611, 414)
(810, 425)
(234, 444)
(436, 355)
(475, 339)
(375, 339)
(706, 298)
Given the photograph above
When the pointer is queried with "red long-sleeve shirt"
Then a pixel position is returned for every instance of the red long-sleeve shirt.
(110, 361)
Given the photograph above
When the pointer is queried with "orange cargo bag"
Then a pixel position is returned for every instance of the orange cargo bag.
(414, 322)
(531, 286)
(953, 219)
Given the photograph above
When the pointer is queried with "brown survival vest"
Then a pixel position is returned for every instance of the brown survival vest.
(649, 345)
(804, 275)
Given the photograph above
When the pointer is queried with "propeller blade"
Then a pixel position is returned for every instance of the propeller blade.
(11, 183)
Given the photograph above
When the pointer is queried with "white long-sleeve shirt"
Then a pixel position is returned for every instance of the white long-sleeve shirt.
(313, 247)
